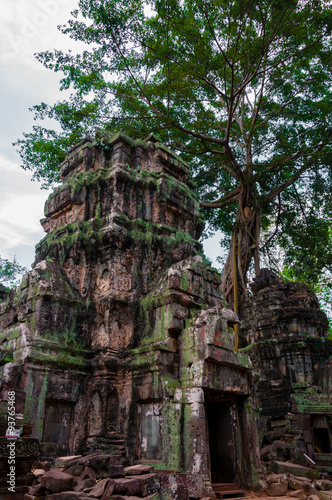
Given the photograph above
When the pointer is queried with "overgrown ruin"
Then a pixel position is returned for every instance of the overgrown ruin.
(287, 343)
(123, 344)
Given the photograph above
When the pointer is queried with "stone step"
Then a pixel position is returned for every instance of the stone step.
(227, 490)
(230, 494)
(278, 423)
(224, 486)
(323, 458)
(327, 469)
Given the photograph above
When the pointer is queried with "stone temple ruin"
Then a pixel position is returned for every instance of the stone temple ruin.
(122, 344)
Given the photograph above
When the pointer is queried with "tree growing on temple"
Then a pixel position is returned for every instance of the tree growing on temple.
(240, 88)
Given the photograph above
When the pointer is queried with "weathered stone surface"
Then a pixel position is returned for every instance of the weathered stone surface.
(296, 470)
(190, 482)
(277, 489)
(57, 481)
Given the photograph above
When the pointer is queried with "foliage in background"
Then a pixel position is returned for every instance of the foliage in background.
(10, 271)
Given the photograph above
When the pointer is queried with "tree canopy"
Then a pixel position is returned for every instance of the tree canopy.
(240, 88)
(10, 271)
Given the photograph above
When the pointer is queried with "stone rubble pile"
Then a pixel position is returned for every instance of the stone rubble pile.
(106, 478)
(296, 481)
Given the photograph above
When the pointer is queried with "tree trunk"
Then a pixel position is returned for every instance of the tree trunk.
(244, 247)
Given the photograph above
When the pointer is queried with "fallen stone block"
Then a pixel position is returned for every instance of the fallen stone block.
(67, 495)
(324, 484)
(103, 465)
(298, 494)
(295, 469)
(125, 497)
(127, 486)
(66, 461)
(44, 465)
(155, 496)
(38, 490)
(108, 490)
(149, 484)
(278, 450)
(39, 472)
(30, 477)
(143, 485)
(134, 470)
(277, 489)
(325, 495)
(88, 473)
(85, 483)
(57, 481)
(75, 470)
(295, 484)
(99, 488)
(261, 486)
(310, 489)
(276, 478)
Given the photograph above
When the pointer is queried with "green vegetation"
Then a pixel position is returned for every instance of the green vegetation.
(241, 89)
(10, 271)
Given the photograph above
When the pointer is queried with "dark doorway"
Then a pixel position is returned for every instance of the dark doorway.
(225, 441)
(322, 441)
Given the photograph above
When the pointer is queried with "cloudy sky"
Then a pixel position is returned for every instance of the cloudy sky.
(27, 27)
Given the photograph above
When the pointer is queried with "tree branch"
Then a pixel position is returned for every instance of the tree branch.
(223, 201)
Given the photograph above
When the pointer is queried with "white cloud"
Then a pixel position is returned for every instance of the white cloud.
(27, 27)
(21, 208)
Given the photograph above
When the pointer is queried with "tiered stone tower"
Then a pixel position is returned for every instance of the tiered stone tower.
(288, 345)
(119, 335)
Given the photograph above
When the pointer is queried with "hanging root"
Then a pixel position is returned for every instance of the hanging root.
(244, 246)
